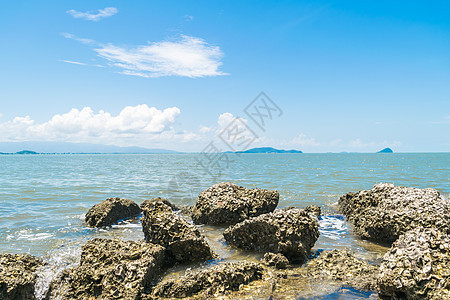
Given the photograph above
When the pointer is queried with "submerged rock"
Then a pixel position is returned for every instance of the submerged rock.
(386, 211)
(110, 269)
(291, 232)
(343, 266)
(417, 266)
(278, 260)
(110, 211)
(209, 282)
(145, 203)
(183, 241)
(18, 276)
(227, 203)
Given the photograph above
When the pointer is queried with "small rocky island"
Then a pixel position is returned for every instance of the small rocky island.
(386, 150)
(413, 222)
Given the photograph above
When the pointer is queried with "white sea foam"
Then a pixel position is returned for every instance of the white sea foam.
(333, 227)
(58, 260)
(28, 235)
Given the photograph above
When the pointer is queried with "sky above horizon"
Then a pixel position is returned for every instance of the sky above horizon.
(353, 76)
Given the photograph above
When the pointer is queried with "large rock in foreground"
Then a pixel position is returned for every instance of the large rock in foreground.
(18, 276)
(417, 266)
(210, 282)
(227, 203)
(111, 211)
(343, 266)
(291, 232)
(386, 211)
(183, 241)
(110, 269)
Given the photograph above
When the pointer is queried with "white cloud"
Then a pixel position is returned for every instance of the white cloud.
(78, 39)
(136, 124)
(188, 18)
(188, 56)
(94, 16)
(203, 129)
(73, 62)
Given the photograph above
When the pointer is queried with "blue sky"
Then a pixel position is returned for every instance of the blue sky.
(347, 75)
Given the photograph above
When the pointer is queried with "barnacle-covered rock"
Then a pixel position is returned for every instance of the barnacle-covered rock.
(145, 203)
(277, 260)
(314, 209)
(343, 266)
(18, 276)
(386, 211)
(226, 203)
(291, 232)
(110, 211)
(209, 282)
(417, 266)
(110, 269)
(183, 241)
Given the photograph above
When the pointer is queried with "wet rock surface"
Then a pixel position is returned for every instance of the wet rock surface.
(183, 241)
(18, 276)
(226, 203)
(110, 211)
(110, 269)
(291, 232)
(210, 282)
(417, 266)
(343, 266)
(278, 260)
(386, 211)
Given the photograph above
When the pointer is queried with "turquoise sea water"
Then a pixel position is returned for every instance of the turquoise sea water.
(43, 198)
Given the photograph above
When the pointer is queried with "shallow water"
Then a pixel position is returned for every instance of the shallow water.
(43, 198)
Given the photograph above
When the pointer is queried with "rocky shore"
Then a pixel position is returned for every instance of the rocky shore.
(413, 222)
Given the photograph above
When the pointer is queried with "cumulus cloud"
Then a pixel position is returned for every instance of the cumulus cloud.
(133, 123)
(94, 15)
(188, 56)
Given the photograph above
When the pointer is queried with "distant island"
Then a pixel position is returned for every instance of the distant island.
(26, 152)
(386, 150)
(268, 150)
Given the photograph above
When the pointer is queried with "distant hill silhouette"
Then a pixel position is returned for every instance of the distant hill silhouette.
(386, 150)
(66, 147)
(268, 150)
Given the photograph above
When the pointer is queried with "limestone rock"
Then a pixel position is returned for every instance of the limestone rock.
(110, 211)
(183, 241)
(417, 266)
(278, 260)
(386, 211)
(342, 265)
(210, 282)
(110, 269)
(227, 203)
(18, 276)
(159, 199)
(291, 232)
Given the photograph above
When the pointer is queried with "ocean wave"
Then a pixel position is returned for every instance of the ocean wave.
(59, 259)
(333, 227)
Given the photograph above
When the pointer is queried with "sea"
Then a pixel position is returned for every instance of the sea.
(44, 198)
